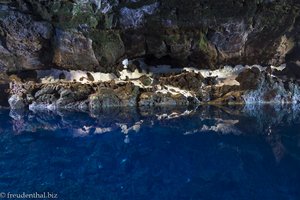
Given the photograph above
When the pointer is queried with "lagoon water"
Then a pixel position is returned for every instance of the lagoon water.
(162, 153)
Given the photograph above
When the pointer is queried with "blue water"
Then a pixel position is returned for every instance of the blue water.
(162, 153)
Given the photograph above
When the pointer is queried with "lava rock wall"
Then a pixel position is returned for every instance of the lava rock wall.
(96, 35)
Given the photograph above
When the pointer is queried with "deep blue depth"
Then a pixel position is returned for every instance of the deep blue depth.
(162, 153)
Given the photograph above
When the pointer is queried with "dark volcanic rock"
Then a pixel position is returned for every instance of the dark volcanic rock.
(145, 80)
(253, 86)
(24, 42)
(96, 35)
(73, 50)
(186, 80)
(122, 95)
(161, 99)
(72, 95)
(4, 88)
(249, 78)
(292, 70)
(230, 98)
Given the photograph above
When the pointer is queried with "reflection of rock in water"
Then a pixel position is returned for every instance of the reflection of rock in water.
(265, 121)
(276, 144)
(223, 120)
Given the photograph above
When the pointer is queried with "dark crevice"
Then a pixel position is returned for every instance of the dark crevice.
(165, 60)
(4, 94)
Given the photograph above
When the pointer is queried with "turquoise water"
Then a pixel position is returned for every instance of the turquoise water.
(161, 153)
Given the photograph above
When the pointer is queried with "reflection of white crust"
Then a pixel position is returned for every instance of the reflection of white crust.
(221, 126)
(173, 115)
(86, 130)
(125, 129)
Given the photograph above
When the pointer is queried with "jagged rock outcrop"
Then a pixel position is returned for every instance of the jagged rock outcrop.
(74, 96)
(238, 85)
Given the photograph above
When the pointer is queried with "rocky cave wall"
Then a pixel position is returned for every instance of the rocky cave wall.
(96, 35)
(92, 41)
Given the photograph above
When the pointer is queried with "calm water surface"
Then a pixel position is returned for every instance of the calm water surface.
(161, 153)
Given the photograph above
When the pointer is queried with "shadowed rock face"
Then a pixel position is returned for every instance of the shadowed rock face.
(4, 90)
(97, 34)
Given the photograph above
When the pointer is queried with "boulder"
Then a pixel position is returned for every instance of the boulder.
(105, 98)
(145, 80)
(122, 95)
(249, 78)
(73, 50)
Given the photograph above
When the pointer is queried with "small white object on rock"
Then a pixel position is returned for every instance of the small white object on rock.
(125, 63)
